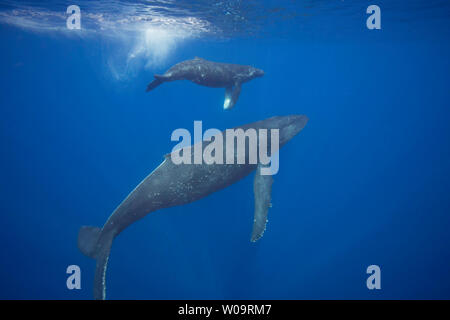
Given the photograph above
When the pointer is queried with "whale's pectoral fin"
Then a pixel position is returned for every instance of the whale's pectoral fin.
(231, 96)
(227, 101)
(236, 93)
(93, 244)
(262, 187)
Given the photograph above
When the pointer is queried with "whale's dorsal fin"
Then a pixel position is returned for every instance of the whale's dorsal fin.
(262, 187)
(198, 58)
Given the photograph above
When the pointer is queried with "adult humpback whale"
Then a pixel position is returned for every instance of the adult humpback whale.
(177, 184)
(210, 74)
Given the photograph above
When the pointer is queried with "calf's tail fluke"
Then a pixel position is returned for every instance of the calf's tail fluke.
(96, 245)
(152, 85)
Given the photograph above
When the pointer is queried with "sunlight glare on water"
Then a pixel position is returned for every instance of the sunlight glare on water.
(147, 32)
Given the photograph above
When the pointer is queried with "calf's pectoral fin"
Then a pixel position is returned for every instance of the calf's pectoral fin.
(262, 187)
(227, 100)
(231, 96)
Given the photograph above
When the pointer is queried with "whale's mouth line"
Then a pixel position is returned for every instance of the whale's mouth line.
(293, 119)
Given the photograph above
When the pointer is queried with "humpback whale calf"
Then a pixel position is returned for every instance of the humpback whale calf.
(210, 74)
(177, 184)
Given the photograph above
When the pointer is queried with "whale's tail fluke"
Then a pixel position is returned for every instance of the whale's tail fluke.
(94, 244)
(158, 80)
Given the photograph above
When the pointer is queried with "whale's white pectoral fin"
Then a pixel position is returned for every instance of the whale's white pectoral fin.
(227, 101)
(236, 92)
(231, 96)
(262, 187)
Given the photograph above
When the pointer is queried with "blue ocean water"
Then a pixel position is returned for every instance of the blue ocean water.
(366, 182)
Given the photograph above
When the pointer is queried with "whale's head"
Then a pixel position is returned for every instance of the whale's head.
(288, 126)
(291, 126)
(255, 73)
